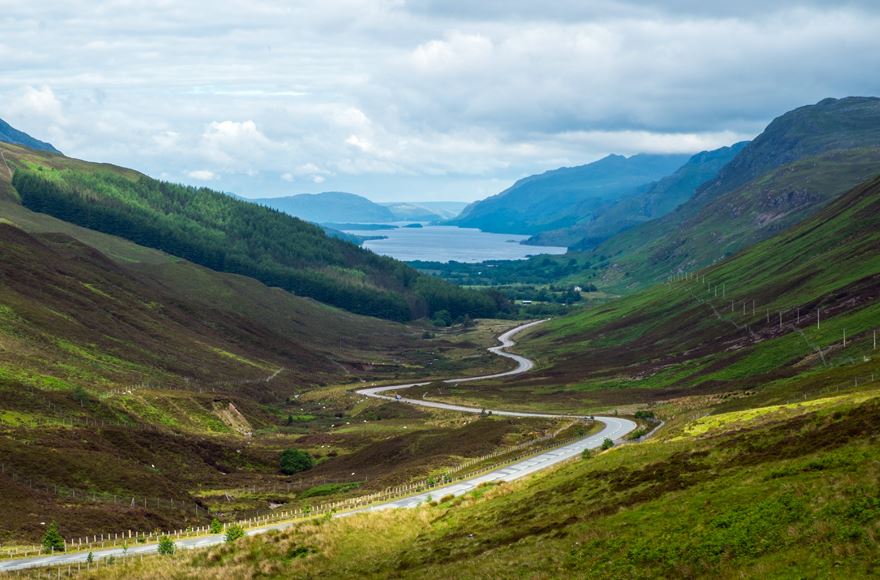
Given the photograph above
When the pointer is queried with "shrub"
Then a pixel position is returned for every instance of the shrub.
(441, 318)
(216, 526)
(52, 539)
(295, 460)
(607, 444)
(586, 453)
(234, 532)
(166, 546)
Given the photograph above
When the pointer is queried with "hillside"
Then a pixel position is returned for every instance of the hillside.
(9, 134)
(800, 162)
(661, 197)
(744, 329)
(740, 497)
(330, 207)
(766, 464)
(227, 234)
(125, 371)
(562, 197)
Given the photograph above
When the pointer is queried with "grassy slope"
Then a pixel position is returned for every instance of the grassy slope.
(742, 499)
(229, 234)
(678, 339)
(93, 327)
(801, 161)
(692, 238)
(160, 349)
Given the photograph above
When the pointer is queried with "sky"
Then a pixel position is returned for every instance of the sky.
(415, 99)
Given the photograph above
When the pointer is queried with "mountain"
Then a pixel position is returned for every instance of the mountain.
(800, 162)
(9, 134)
(330, 207)
(562, 197)
(661, 198)
(425, 211)
(227, 234)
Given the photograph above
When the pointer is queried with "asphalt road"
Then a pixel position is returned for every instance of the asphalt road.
(615, 428)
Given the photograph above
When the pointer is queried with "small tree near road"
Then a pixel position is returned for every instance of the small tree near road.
(234, 532)
(53, 541)
(216, 526)
(166, 546)
(607, 444)
(295, 460)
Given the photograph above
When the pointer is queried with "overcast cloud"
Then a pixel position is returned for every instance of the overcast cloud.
(419, 99)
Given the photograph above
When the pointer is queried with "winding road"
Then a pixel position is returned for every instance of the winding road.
(615, 428)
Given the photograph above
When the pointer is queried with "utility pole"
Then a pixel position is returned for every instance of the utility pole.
(818, 320)
(844, 337)
(799, 316)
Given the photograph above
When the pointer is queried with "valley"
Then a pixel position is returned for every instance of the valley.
(676, 375)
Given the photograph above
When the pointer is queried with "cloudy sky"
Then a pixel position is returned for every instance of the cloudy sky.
(414, 99)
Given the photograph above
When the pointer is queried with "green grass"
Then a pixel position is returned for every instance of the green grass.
(757, 501)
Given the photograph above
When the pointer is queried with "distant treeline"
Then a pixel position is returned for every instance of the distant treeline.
(231, 235)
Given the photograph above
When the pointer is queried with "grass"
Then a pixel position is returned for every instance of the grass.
(752, 502)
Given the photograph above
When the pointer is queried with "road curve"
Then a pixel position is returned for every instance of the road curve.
(615, 428)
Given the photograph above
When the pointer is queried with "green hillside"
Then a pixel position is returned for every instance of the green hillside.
(766, 465)
(801, 161)
(788, 493)
(716, 332)
(227, 234)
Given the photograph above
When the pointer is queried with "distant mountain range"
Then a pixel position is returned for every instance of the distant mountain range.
(425, 211)
(9, 134)
(564, 197)
(336, 207)
(661, 197)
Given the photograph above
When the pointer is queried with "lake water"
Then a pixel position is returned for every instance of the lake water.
(446, 243)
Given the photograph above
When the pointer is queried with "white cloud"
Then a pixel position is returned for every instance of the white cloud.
(38, 102)
(419, 97)
(202, 175)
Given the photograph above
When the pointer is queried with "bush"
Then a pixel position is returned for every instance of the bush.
(216, 526)
(586, 453)
(166, 546)
(441, 318)
(607, 444)
(234, 532)
(52, 539)
(295, 460)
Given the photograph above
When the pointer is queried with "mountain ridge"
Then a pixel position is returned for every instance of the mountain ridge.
(559, 198)
(11, 135)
